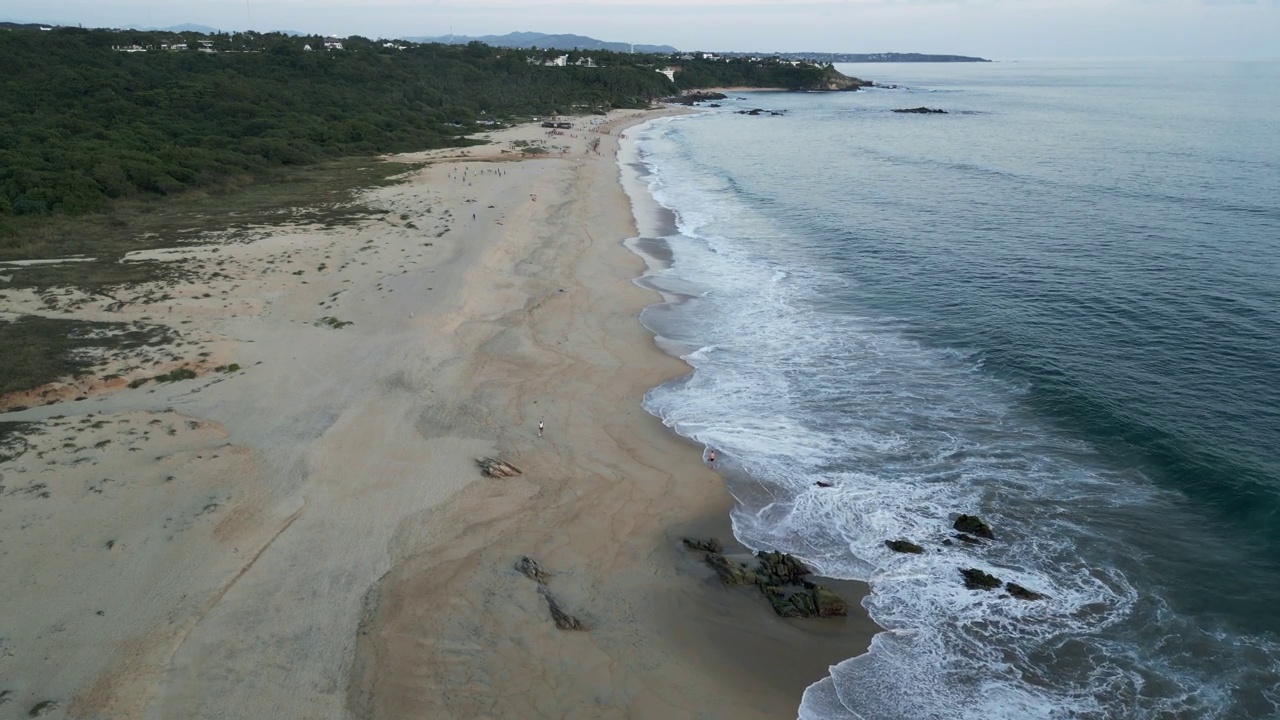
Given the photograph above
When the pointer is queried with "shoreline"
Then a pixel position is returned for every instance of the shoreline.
(317, 497)
(677, 643)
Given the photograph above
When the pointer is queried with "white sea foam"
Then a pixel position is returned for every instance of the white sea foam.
(791, 391)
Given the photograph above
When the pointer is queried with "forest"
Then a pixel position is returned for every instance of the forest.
(87, 123)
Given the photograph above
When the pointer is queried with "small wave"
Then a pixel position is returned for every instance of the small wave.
(795, 387)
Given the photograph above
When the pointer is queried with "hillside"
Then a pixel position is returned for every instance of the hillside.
(553, 42)
(85, 125)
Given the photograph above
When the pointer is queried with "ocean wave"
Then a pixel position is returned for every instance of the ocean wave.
(791, 387)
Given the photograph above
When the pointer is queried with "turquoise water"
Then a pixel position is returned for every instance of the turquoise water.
(1058, 307)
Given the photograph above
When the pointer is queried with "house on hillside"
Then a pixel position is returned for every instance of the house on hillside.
(128, 48)
(178, 46)
(332, 43)
(392, 46)
(585, 62)
(670, 72)
(206, 46)
(558, 61)
(306, 48)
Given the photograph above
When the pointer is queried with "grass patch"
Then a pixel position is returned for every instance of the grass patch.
(176, 375)
(13, 441)
(333, 322)
(39, 350)
(319, 194)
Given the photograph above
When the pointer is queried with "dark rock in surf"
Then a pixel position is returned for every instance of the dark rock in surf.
(903, 546)
(824, 483)
(975, 579)
(710, 545)
(974, 525)
(968, 539)
(1022, 593)
(921, 111)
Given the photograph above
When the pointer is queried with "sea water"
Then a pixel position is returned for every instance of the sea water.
(1057, 307)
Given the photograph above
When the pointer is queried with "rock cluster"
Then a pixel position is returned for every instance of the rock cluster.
(494, 468)
(710, 545)
(780, 577)
(760, 111)
(921, 111)
(532, 570)
(973, 530)
(696, 96)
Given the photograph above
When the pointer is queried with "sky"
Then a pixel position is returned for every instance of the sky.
(997, 29)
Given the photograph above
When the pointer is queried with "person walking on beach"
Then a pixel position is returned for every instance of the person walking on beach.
(711, 458)
(539, 428)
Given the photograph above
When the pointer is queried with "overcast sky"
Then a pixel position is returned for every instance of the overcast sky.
(1000, 29)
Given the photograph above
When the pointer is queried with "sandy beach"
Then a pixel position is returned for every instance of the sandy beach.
(301, 530)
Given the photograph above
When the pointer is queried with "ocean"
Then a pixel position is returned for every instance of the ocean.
(1056, 307)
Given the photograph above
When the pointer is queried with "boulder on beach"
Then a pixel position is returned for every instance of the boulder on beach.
(562, 619)
(975, 579)
(807, 601)
(778, 568)
(1022, 593)
(829, 603)
(781, 578)
(710, 545)
(903, 546)
(730, 572)
(921, 111)
(532, 570)
(973, 525)
(43, 708)
(495, 468)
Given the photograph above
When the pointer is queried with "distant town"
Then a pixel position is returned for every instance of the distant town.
(214, 40)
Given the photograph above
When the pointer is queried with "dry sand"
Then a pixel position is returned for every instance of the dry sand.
(308, 536)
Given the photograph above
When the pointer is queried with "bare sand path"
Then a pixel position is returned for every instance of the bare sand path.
(307, 536)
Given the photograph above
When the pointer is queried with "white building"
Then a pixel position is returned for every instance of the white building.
(206, 46)
(670, 72)
(128, 48)
(332, 43)
(560, 61)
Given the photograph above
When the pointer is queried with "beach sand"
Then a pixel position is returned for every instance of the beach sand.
(308, 535)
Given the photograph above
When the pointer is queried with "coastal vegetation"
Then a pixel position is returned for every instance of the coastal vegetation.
(88, 124)
(96, 117)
